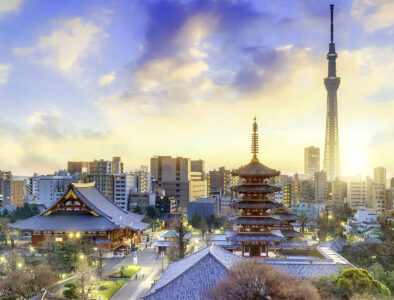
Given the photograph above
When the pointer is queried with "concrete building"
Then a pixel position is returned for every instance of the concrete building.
(320, 185)
(180, 177)
(311, 160)
(378, 198)
(5, 187)
(16, 193)
(379, 175)
(364, 219)
(204, 207)
(124, 184)
(220, 182)
(144, 181)
(102, 173)
(77, 167)
(47, 189)
(337, 192)
(392, 183)
(357, 194)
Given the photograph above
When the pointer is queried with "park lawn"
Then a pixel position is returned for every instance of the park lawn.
(127, 272)
(111, 288)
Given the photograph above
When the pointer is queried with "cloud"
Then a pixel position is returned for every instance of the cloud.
(107, 79)
(64, 48)
(374, 14)
(7, 6)
(4, 73)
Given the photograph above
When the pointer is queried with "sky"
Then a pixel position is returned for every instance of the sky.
(84, 80)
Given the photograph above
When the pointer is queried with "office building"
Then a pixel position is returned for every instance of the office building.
(124, 184)
(5, 187)
(47, 189)
(357, 194)
(311, 160)
(16, 193)
(331, 161)
(337, 192)
(320, 184)
(220, 182)
(77, 167)
(180, 177)
(378, 198)
(144, 181)
(379, 175)
(102, 173)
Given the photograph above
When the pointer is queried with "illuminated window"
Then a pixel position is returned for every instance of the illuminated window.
(59, 239)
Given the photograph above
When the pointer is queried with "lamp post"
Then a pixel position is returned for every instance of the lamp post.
(162, 261)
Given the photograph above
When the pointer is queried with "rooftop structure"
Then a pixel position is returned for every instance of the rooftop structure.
(262, 222)
(191, 277)
(84, 210)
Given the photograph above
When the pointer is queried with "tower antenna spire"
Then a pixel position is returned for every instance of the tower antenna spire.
(332, 22)
(255, 141)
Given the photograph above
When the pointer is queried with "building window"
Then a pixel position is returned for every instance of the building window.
(246, 248)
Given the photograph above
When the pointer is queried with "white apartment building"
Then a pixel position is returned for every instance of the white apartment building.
(124, 184)
(357, 194)
(47, 189)
(364, 219)
(378, 198)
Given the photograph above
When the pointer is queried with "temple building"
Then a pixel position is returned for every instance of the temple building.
(84, 212)
(262, 222)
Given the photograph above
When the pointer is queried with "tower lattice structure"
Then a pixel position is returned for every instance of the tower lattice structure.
(331, 162)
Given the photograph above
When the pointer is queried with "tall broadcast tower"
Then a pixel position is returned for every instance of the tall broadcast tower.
(331, 147)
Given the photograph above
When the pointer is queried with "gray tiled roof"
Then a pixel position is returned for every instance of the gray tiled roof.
(66, 222)
(256, 220)
(335, 244)
(190, 277)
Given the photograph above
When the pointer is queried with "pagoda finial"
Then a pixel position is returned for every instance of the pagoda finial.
(332, 22)
(255, 141)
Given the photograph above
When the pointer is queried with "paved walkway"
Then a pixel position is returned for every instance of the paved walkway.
(150, 270)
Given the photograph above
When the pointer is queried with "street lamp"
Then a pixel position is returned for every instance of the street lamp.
(81, 256)
(2, 259)
(19, 265)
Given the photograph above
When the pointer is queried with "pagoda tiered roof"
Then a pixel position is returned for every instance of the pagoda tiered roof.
(255, 204)
(252, 236)
(258, 220)
(255, 168)
(256, 189)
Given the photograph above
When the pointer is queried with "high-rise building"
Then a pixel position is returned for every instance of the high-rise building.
(144, 181)
(320, 184)
(392, 182)
(16, 193)
(102, 173)
(331, 162)
(180, 177)
(47, 189)
(338, 192)
(5, 187)
(379, 175)
(378, 198)
(124, 184)
(77, 167)
(357, 192)
(220, 182)
(311, 160)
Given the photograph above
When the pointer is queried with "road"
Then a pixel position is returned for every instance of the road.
(137, 287)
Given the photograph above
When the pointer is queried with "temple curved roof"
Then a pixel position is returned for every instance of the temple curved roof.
(263, 220)
(247, 237)
(255, 168)
(255, 204)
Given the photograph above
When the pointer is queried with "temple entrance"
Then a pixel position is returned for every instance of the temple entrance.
(255, 250)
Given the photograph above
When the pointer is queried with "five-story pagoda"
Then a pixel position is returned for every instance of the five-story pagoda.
(262, 223)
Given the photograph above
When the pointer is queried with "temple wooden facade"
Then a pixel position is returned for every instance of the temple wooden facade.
(84, 212)
(262, 223)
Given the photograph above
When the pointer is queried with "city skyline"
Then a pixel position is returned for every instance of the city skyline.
(110, 79)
